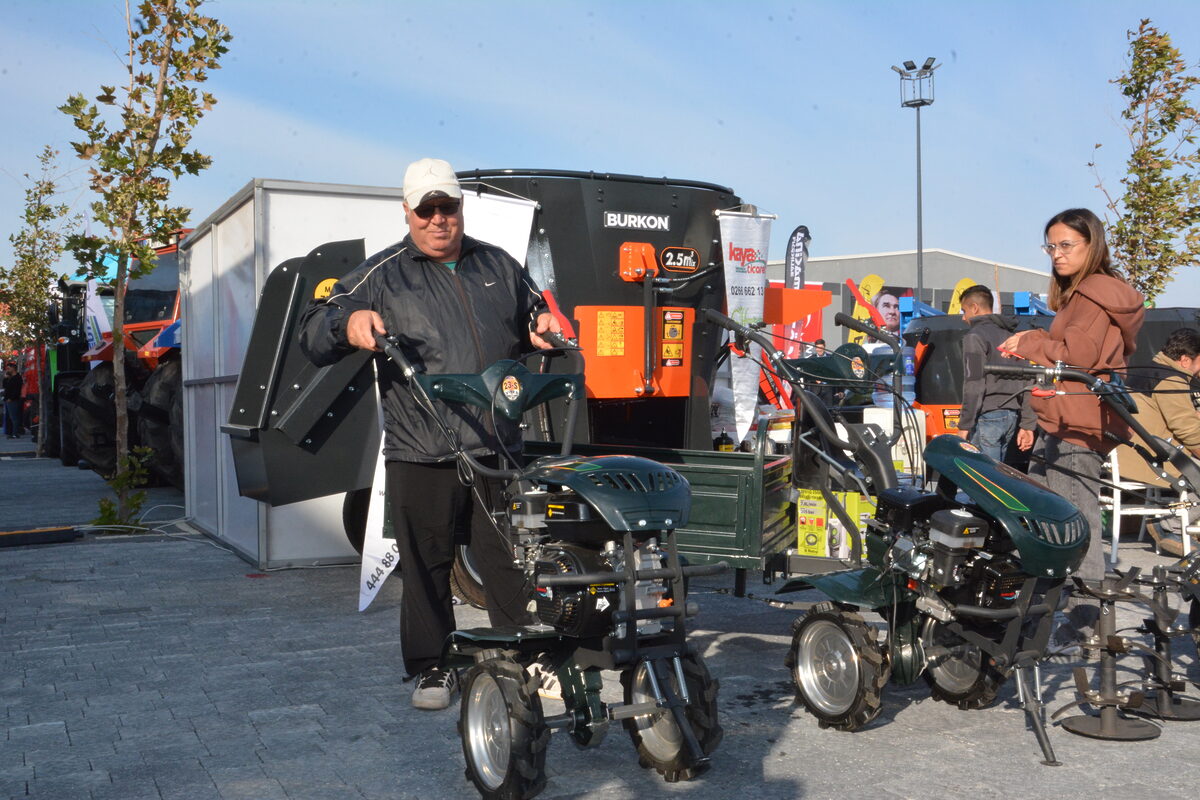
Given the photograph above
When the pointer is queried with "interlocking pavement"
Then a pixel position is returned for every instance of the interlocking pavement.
(163, 666)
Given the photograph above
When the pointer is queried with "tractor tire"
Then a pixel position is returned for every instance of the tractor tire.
(95, 430)
(503, 731)
(355, 507)
(961, 675)
(465, 581)
(838, 668)
(659, 742)
(177, 428)
(68, 445)
(48, 430)
(161, 391)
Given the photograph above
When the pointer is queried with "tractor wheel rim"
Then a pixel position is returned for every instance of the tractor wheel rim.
(827, 667)
(488, 732)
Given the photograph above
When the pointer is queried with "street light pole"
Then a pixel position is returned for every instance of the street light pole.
(916, 90)
(920, 241)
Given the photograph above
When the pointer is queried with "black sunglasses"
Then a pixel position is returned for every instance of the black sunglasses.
(445, 209)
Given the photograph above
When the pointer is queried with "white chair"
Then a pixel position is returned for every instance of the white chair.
(1162, 501)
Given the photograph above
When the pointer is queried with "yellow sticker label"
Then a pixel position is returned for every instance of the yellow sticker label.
(673, 332)
(670, 350)
(610, 333)
(324, 288)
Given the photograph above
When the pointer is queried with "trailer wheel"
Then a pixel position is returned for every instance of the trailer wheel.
(656, 736)
(94, 429)
(503, 731)
(837, 666)
(68, 447)
(957, 673)
(465, 581)
(161, 392)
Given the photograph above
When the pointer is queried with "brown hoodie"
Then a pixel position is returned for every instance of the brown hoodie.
(1094, 330)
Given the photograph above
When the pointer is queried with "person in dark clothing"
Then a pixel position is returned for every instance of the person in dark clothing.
(993, 408)
(12, 401)
(455, 305)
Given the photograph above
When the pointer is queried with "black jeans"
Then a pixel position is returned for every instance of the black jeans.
(432, 512)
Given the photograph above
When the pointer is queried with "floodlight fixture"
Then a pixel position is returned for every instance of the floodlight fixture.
(910, 66)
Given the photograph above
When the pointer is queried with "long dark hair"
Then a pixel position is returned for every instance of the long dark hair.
(1089, 226)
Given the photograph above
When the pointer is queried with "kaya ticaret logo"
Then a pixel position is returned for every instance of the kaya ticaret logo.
(746, 259)
(637, 222)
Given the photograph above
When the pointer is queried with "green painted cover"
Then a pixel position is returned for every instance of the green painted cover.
(1050, 534)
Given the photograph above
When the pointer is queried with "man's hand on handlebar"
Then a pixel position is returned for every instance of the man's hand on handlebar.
(362, 328)
(546, 322)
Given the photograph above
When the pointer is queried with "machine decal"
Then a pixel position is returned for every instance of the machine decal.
(637, 222)
(679, 259)
(950, 418)
(324, 288)
(858, 367)
(970, 448)
(510, 388)
(991, 488)
(610, 333)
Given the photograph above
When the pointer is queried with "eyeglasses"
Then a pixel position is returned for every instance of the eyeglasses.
(445, 209)
(1065, 247)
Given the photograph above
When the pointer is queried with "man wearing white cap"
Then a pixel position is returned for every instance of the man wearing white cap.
(455, 305)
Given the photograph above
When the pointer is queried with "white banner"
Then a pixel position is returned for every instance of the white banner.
(503, 221)
(744, 240)
(380, 555)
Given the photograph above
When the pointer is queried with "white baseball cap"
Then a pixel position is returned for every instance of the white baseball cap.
(427, 179)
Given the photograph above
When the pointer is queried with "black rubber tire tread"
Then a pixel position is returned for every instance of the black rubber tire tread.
(162, 390)
(355, 507)
(463, 583)
(874, 670)
(1194, 624)
(980, 694)
(95, 436)
(48, 430)
(177, 429)
(701, 712)
(68, 450)
(526, 774)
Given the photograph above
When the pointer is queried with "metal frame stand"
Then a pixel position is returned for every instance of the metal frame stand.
(1110, 723)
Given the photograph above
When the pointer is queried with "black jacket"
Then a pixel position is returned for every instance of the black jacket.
(12, 386)
(983, 392)
(447, 321)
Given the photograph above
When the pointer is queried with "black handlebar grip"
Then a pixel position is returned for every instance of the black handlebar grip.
(1015, 370)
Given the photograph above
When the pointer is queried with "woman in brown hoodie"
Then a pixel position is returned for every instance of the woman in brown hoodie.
(1097, 318)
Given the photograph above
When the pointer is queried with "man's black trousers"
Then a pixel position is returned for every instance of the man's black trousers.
(432, 512)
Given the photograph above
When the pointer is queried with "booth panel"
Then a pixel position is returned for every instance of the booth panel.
(236, 288)
(297, 222)
(240, 516)
(308, 532)
(202, 442)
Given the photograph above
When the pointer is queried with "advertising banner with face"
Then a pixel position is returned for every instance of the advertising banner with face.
(744, 241)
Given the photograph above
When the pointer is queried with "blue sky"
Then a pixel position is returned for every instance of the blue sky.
(791, 104)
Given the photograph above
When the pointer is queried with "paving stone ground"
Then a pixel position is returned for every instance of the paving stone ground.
(166, 667)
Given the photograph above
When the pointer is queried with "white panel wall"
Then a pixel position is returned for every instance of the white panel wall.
(225, 263)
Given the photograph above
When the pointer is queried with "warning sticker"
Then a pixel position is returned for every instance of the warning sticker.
(670, 350)
(672, 332)
(610, 333)
(672, 362)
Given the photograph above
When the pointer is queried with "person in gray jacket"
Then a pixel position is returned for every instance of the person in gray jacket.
(455, 305)
(994, 410)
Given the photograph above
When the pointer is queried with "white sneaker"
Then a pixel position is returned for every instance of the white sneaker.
(435, 688)
(542, 670)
